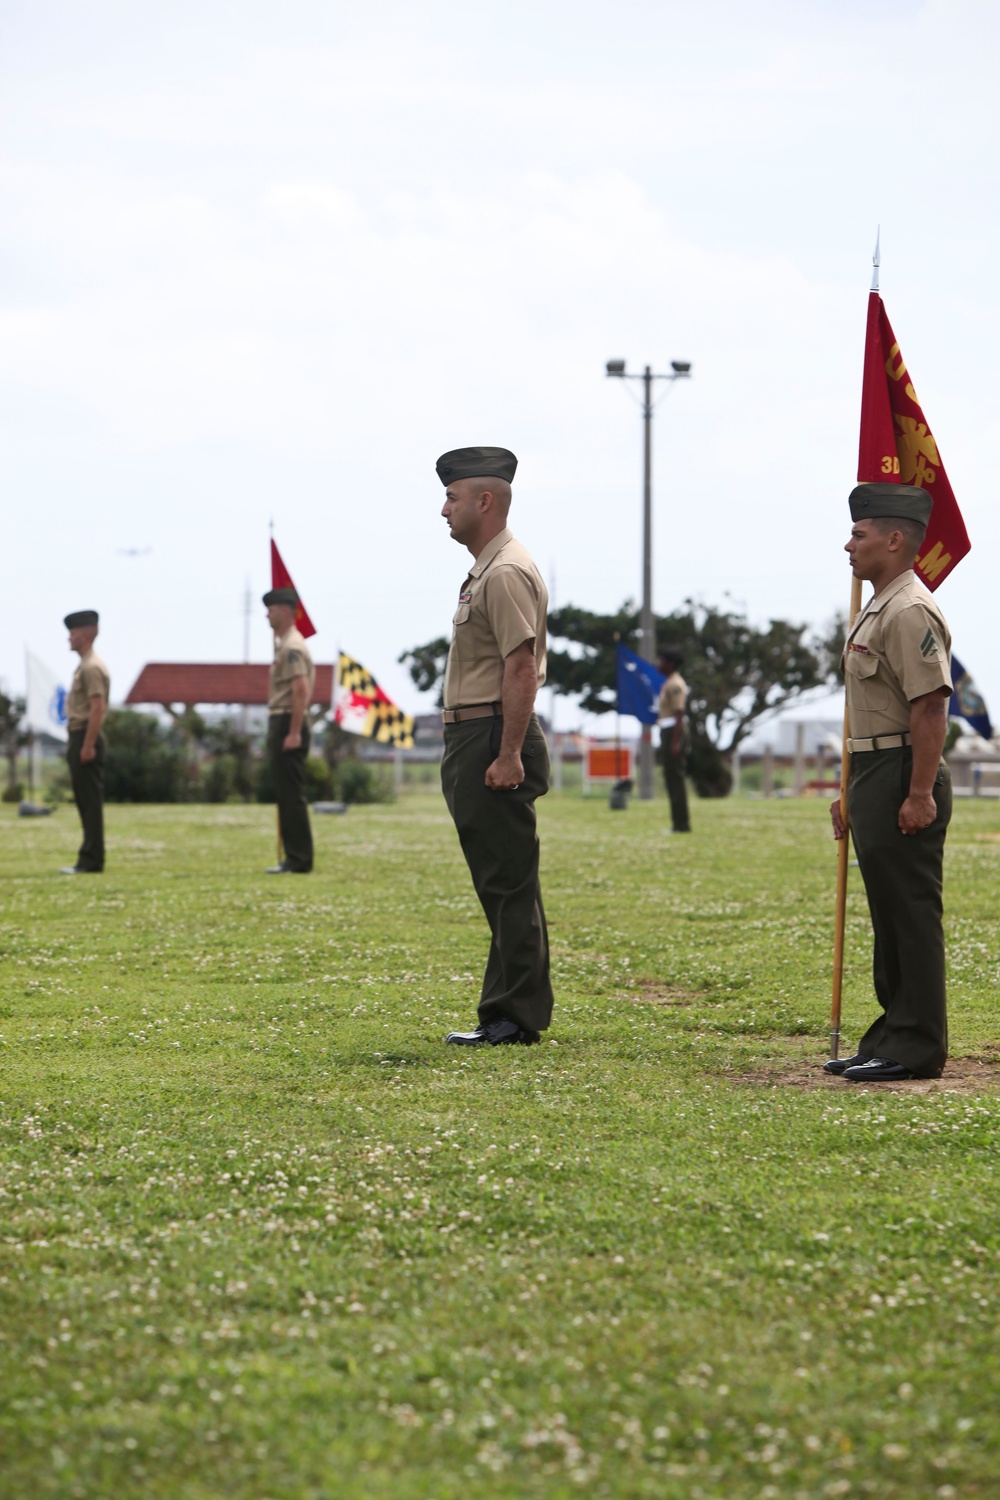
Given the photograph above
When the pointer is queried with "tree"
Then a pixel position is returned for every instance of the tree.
(426, 665)
(145, 763)
(230, 771)
(12, 739)
(738, 674)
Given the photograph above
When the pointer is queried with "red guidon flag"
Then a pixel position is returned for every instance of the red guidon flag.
(282, 579)
(897, 444)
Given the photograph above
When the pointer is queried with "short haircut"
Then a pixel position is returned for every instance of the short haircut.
(912, 532)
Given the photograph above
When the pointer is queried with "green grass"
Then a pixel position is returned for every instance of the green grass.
(263, 1236)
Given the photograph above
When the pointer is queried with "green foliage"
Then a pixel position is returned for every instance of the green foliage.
(145, 762)
(359, 781)
(585, 664)
(738, 673)
(12, 737)
(426, 665)
(264, 1235)
(58, 786)
(319, 779)
(231, 770)
(220, 779)
(12, 792)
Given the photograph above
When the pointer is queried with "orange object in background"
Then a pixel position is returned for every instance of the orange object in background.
(609, 762)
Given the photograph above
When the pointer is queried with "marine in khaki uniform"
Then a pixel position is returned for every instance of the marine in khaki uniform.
(496, 760)
(896, 665)
(291, 688)
(673, 739)
(86, 705)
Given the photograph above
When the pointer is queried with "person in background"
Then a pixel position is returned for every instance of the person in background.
(86, 705)
(673, 736)
(292, 677)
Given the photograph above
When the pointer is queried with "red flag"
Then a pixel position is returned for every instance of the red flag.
(282, 579)
(898, 445)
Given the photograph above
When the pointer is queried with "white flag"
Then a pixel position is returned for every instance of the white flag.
(46, 708)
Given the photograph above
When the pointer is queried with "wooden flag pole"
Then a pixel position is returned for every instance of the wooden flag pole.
(843, 857)
(844, 846)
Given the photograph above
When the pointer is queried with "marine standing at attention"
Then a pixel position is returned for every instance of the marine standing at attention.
(292, 677)
(673, 736)
(896, 666)
(496, 760)
(86, 705)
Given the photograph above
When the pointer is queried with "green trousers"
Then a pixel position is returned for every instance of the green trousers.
(673, 775)
(499, 838)
(288, 767)
(902, 875)
(87, 778)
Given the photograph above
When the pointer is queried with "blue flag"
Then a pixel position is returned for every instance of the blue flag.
(967, 701)
(638, 684)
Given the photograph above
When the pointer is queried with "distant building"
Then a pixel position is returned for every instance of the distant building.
(183, 685)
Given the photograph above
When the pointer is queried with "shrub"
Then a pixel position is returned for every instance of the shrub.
(59, 788)
(12, 793)
(144, 762)
(358, 781)
(220, 779)
(319, 779)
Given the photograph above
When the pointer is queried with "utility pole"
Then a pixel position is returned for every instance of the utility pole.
(679, 370)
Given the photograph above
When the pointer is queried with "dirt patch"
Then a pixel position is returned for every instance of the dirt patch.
(651, 993)
(962, 1075)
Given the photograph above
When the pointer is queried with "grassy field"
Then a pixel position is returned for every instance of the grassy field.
(263, 1236)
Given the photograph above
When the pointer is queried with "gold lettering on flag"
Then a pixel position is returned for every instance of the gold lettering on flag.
(934, 562)
(897, 444)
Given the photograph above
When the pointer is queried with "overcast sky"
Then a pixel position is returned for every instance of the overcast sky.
(266, 261)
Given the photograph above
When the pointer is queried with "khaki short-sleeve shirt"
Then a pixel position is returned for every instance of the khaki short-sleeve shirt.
(673, 698)
(899, 649)
(90, 680)
(291, 660)
(502, 603)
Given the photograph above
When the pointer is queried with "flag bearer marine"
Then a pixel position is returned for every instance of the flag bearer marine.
(898, 678)
(291, 687)
(496, 760)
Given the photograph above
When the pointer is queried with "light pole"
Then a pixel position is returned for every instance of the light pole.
(679, 370)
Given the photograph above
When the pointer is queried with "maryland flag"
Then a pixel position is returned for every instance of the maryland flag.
(361, 707)
(282, 579)
(897, 444)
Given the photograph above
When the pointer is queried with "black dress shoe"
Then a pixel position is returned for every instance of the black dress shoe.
(878, 1070)
(838, 1065)
(493, 1034)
